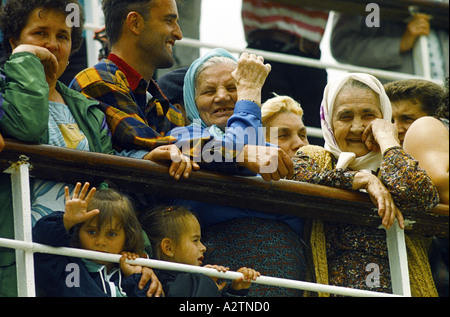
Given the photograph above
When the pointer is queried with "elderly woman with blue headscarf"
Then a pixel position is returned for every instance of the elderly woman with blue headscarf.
(222, 99)
(362, 151)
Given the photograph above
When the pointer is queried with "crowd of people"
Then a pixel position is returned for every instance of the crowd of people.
(389, 140)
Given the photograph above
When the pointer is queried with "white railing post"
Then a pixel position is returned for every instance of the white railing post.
(398, 260)
(421, 57)
(94, 18)
(309, 62)
(20, 184)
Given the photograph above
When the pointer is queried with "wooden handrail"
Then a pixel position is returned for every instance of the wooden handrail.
(397, 10)
(281, 197)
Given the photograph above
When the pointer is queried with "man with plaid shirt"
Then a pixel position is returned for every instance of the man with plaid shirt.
(137, 112)
(142, 34)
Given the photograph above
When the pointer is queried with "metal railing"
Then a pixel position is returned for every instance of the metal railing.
(296, 198)
(313, 198)
(420, 58)
(31, 248)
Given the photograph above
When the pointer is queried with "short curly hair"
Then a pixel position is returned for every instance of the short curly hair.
(116, 11)
(427, 93)
(442, 110)
(15, 13)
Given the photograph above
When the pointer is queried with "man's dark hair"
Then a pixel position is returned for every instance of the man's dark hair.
(116, 12)
(15, 13)
(442, 110)
(428, 93)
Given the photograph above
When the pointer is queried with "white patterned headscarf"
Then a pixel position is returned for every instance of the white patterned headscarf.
(372, 160)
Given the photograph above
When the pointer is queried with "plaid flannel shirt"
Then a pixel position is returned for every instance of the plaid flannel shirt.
(137, 112)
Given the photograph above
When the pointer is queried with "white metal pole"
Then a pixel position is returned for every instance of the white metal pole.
(398, 260)
(421, 57)
(92, 255)
(94, 19)
(22, 227)
(310, 62)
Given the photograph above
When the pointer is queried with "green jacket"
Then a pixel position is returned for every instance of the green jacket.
(24, 115)
(24, 111)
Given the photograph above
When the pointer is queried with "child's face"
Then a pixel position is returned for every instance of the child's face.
(189, 250)
(110, 238)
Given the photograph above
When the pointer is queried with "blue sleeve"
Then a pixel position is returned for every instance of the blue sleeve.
(51, 271)
(220, 152)
(50, 230)
(229, 292)
(130, 286)
(138, 154)
(244, 126)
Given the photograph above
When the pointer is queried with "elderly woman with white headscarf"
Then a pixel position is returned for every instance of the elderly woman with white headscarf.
(362, 151)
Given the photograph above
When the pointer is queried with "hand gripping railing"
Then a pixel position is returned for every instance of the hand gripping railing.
(171, 266)
(286, 197)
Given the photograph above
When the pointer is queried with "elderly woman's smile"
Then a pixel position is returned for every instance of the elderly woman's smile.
(223, 111)
(355, 109)
(216, 94)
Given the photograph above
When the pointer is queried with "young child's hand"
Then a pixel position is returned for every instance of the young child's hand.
(76, 207)
(245, 281)
(129, 269)
(220, 269)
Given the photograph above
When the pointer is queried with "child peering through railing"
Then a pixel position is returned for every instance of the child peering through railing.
(61, 271)
(103, 221)
(297, 198)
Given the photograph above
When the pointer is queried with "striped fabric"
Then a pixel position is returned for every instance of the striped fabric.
(299, 21)
(139, 118)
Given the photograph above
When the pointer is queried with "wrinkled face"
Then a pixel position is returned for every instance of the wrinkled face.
(404, 113)
(216, 94)
(48, 28)
(160, 33)
(110, 238)
(189, 249)
(291, 132)
(354, 109)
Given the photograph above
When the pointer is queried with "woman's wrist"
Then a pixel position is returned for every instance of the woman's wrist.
(251, 94)
(361, 180)
(388, 144)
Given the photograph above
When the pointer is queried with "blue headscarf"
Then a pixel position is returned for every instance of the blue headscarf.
(189, 90)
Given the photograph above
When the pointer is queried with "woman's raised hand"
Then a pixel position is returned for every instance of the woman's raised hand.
(48, 60)
(250, 76)
(380, 135)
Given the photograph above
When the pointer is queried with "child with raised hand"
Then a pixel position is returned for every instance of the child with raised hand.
(104, 221)
(175, 234)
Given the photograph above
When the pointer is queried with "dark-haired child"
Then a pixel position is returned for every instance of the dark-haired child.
(104, 221)
(175, 234)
